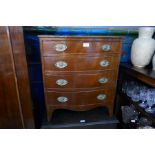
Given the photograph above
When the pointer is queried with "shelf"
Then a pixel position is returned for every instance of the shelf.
(146, 75)
(139, 109)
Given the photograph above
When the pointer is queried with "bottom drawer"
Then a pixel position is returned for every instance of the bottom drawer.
(79, 97)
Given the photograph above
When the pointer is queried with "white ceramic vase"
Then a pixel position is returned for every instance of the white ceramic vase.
(143, 47)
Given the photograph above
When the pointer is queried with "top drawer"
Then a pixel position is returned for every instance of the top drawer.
(55, 47)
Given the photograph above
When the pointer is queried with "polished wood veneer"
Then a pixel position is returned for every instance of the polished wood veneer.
(92, 78)
(79, 97)
(15, 98)
(89, 63)
(75, 46)
(80, 73)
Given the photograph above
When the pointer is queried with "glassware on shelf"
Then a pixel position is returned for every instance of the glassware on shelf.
(143, 121)
(143, 97)
(129, 90)
(136, 94)
(150, 100)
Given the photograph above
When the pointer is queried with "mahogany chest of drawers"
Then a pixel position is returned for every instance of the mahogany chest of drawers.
(79, 72)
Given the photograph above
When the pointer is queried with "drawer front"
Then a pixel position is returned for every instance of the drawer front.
(79, 97)
(72, 63)
(81, 80)
(78, 47)
(104, 79)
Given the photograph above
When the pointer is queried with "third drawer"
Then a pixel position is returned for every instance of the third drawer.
(81, 80)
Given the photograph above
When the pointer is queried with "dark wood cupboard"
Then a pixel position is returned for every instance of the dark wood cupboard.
(15, 99)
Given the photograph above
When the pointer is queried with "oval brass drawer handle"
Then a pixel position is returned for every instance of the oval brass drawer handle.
(61, 82)
(104, 63)
(61, 64)
(106, 47)
(60, 47)
(103, 80)
(101, 96)
(62, 99)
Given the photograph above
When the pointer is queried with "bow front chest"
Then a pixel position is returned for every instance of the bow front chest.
(79, 72)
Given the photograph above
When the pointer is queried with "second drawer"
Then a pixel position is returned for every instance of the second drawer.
(79, 63)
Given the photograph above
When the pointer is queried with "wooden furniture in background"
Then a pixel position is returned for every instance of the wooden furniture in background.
(15, 99)
(80, 73)
(146, 75)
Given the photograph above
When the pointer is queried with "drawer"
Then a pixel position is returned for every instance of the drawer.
(54, 47)
(77, 63)
(81, 80)
(79, 97)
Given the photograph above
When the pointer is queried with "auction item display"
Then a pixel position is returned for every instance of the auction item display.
(79, 72)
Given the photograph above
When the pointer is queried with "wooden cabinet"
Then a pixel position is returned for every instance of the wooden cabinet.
(79, 72)
(15, 99)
